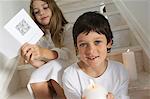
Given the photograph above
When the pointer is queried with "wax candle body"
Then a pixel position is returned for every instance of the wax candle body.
(130, 64)
(95, 92)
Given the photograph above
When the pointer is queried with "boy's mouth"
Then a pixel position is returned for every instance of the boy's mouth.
(92, 58)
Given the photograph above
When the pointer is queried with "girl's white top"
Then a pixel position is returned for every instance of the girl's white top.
(54, 69)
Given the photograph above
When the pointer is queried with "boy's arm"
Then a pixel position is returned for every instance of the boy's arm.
(69, 87)
(70, 92)
(122, 92)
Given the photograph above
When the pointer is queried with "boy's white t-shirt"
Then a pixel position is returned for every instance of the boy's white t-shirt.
(114, 79)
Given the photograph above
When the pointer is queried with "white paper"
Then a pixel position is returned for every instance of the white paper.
(23, 29)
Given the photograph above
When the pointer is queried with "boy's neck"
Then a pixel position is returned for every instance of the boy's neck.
(96, 71)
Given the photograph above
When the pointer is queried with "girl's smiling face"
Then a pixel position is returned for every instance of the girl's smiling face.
(42, 12)
(92, 48)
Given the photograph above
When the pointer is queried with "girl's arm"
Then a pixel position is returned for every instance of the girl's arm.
(35, 55)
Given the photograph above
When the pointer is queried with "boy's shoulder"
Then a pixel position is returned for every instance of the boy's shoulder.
(71, 73)
(117, 67)
(116, 64)
(71, 69)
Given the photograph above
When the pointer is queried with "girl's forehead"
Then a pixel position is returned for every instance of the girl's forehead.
(37, 3)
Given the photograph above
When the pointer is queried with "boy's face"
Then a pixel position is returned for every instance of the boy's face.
(92, 48)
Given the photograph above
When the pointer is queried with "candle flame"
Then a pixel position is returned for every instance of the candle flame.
(128, 50)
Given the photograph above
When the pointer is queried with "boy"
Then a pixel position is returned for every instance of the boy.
(93, 40)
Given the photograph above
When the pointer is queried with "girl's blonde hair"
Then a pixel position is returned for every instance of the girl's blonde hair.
(57, 22)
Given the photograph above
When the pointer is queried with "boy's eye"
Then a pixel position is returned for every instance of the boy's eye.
(97, 42)
(83, 45)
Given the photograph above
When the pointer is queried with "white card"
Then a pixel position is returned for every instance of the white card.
(23, 29)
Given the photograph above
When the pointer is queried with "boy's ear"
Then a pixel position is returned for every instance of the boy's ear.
(109, 45)
(76, 51)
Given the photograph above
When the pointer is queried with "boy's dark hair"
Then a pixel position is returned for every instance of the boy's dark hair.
(92, 21)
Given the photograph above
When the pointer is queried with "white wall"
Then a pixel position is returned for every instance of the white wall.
(8, 8)
(148, 10)
(141, 11)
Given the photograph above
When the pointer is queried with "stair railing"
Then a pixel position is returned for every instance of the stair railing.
(134, 25)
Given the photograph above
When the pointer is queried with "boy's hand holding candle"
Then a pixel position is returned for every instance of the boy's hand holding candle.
(94, 91)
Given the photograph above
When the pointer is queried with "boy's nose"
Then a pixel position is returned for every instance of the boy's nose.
(91, 49)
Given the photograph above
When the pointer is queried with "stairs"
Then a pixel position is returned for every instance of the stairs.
(123, 40)
(21, 94)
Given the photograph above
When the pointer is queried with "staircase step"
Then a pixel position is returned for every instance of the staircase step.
(21, 94)
(124, 49)
(110, 7)
(64, 3)
(116, 19)
(116, 54)
(118, 28)
(142, 83)
(73, 9)
(111, 13)
(79, 5)
(140, 89)
(108, 1)
(121, 39)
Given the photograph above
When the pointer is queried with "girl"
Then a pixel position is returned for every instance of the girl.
(49, 56)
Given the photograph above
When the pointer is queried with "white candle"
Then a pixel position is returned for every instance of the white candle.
(130, 64)
(94, 91)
